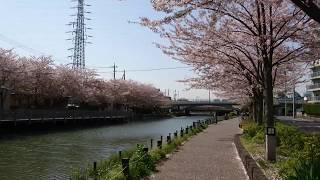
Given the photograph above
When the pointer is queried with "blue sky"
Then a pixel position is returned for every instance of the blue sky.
(36, 27)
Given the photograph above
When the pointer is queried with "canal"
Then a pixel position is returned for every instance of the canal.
(54, 155)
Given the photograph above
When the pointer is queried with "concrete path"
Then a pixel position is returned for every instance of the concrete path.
(209, 155)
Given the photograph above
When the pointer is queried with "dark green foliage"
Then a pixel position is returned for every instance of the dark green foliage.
(141, 164)
(289, 138)
(312, 109)
(298, 153)
(253, 132)
(306, 170)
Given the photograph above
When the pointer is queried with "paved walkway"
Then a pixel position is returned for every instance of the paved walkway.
(209, 155)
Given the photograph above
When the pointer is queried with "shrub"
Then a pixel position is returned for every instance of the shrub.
(259, 137)
(232, 114)
(141, 164)
(250, 129)
(312, 109)
(289, 138)
(306, 170)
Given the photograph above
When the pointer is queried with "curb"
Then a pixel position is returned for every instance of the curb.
(253, 170)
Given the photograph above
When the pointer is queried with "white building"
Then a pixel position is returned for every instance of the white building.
(314, 88)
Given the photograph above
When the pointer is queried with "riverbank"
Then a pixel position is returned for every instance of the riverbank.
(40, 126)
(297, 152)
(53, 155)
(138, 162)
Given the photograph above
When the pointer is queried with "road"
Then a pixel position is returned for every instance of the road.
(305, 125)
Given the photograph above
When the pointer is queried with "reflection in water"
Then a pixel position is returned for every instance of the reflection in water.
(53, 156)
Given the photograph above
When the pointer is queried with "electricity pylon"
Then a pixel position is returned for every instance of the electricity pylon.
(80, 36)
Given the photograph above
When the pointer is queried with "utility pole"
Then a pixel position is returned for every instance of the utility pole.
(175, 95)
(79, 33)
(124, 75)
(293, 101)
(285, 95)
(114, 71)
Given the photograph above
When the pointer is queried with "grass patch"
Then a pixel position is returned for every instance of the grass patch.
(297, 152)
(140, 163)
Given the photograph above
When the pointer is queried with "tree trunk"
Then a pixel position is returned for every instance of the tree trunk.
(268, 97)
(254, 109)
(268, 112)
(260, 108)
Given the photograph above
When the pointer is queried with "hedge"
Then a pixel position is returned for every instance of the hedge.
(312, 109)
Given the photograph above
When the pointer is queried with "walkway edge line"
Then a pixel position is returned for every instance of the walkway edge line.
(253, 170)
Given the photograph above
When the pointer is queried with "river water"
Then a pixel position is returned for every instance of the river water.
(54, 155)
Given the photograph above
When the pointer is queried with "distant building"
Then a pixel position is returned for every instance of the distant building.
(284, 102)
(314, 88)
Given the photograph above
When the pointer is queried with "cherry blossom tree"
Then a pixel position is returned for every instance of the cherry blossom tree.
(252, 38)
(310, 7)
(43, 84)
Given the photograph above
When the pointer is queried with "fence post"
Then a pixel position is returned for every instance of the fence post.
(120, 154)
(151, 143)
(95, 169)
(145, 150)
(175, 134)
(181, 132)
(216, 119)
(159, 144)
(168, 139)
(125, 167)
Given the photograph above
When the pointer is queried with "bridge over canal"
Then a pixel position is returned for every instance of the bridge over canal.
(219, 107)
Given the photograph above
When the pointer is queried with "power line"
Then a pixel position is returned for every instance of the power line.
(20, 45)
(147, 70)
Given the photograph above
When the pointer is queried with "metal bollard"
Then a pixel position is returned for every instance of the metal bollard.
(120, 154)
(159, 144)
(95, 170)
(94, 166)
(168, 139)
(125, 167)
